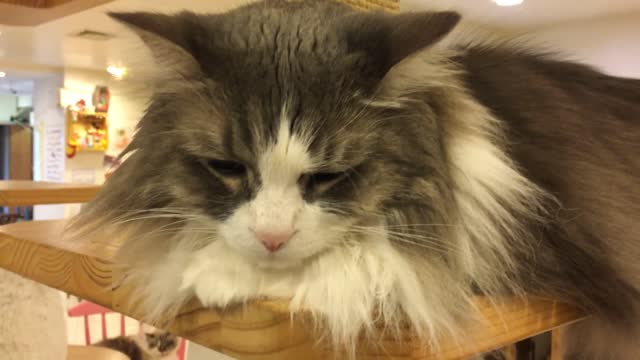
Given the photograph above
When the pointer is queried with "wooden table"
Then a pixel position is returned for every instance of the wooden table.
(19, 193)
(264, 330)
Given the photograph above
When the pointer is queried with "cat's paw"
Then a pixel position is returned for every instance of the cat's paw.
(214, 287)
(212, 291)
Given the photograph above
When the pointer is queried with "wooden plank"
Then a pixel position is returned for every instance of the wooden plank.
(261, 330)
(388, 5)
(35, 250)
(36, 3)
(19, 15)
(20, 193)
(27, 3)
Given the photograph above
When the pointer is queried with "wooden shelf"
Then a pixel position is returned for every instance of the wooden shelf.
(262, 330)
(84, 127)
(20, 193)
(13, 13)
(92, 116)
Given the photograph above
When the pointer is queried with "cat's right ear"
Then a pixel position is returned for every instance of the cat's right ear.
(389, 39)
(172, 39)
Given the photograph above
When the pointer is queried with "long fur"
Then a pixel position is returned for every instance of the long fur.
(464, 189)
(345, 285)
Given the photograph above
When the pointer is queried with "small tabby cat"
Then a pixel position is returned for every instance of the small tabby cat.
(351, 161)
(157, 345)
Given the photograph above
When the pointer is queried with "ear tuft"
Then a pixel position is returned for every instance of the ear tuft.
(179, 29)
(413, 32)
(389, 39)
(173, 39)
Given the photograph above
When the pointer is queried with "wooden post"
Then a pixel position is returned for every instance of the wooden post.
(557, 346)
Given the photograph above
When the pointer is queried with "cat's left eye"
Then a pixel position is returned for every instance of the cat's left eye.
(322, 179)
(227, 168)
(326, 177)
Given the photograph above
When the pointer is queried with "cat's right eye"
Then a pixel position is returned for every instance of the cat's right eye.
(321, 181)
(326, 177)
(227, 168)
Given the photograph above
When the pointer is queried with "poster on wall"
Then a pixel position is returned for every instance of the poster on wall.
(54, 156)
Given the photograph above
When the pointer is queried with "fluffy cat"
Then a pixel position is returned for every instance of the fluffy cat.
(349, 161)
(156, 345)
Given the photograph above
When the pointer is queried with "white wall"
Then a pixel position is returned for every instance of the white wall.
(612, 43)
(48, 116)
(25, 101)
(8, 108)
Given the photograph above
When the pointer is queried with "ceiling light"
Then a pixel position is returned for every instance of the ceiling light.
(508, 2)
(2, 74)
(117, 71)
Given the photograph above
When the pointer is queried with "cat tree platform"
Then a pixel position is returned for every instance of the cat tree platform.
(23, 192)
(262, 330)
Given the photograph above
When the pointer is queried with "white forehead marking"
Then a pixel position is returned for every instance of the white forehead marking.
(285, 159)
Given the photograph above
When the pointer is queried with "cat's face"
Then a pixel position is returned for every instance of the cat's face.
(276, 140)
(298, 190)
(160, 343)
(283, 174)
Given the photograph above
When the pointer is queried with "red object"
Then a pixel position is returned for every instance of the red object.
(86, 308)
(70, 151)
(81, 105)
(101, 99)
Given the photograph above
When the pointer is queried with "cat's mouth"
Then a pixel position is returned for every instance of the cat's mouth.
(276, 262)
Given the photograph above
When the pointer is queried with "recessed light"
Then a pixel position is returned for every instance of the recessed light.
(2, 74)
(117, 71)
(508, 2)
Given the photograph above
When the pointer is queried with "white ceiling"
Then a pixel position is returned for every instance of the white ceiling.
(531, 14)
(52, 43)
(49, 47)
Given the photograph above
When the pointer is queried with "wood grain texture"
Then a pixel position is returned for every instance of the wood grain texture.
(23, 15)
(261, 330)
(387, 5)
(557, 344)
(36, 3)
(36, 251)
(20, 193)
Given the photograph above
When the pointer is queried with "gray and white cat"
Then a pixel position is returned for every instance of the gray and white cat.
(345, 161)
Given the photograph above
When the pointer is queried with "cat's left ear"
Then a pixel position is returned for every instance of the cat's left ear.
(389, 39)
(413, 32)
(172, 39)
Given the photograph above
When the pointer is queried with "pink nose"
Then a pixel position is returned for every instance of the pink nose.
(274, 240)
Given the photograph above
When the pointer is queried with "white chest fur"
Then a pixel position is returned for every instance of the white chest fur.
(343, 286)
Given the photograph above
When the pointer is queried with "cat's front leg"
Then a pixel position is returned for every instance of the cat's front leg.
(218, 278)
